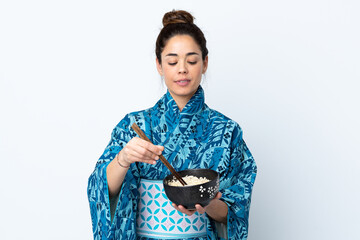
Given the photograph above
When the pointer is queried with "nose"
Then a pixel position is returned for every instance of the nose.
(182, 67)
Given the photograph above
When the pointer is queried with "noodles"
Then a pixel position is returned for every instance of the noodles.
(190, 180)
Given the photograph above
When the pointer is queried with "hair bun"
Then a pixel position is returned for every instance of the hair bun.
(177, 16)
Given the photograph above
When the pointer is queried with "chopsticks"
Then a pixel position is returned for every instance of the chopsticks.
(162, 158)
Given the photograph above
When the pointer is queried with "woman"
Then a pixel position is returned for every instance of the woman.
(190, 135)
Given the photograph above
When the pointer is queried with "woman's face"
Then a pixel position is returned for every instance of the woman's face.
(182, 67)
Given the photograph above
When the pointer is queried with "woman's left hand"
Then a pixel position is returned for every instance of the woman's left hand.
(198, 207)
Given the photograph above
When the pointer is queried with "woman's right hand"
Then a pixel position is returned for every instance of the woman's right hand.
(139, 150)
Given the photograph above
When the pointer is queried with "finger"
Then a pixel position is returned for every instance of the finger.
(175, 206)
(199, 208)
(132, 156)
(135, 154)
(157, 150)
(218, 195)
(182, 209)
(149, 161)
(186, 211)
(144, 153)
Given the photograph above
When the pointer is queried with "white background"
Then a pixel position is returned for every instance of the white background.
(287, 71)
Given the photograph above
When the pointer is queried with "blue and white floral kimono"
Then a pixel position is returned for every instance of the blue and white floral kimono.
(196, 137)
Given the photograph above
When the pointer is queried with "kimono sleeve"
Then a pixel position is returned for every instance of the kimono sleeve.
(237, 186)
(97, 190)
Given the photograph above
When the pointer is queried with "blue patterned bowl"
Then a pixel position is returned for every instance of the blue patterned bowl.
(189, 195)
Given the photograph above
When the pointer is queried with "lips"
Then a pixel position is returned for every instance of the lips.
(183, 82)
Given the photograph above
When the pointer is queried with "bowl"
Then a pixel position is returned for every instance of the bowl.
(189, 195)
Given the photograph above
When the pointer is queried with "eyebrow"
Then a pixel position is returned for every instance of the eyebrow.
(175, 55)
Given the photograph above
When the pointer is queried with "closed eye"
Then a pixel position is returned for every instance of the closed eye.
(174, 63)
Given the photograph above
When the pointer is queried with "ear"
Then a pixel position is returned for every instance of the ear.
(205, 64)
(159, 67)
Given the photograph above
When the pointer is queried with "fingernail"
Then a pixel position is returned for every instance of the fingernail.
(154, 162)
(156, 157)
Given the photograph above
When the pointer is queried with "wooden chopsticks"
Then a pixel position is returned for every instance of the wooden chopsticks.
(162, 158)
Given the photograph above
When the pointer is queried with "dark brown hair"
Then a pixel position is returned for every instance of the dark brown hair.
(179, 23)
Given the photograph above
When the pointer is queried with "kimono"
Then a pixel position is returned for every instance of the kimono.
(196, 137)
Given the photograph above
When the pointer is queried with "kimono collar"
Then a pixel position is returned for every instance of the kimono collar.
(193, 106)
